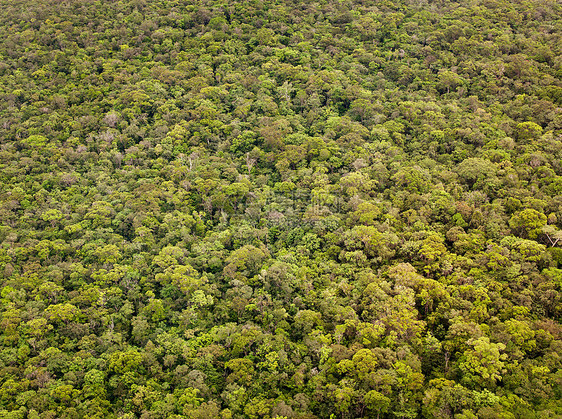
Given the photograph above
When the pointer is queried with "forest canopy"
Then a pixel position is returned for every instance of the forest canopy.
(281, 209)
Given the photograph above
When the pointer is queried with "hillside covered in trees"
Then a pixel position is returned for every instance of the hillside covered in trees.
(281, 209)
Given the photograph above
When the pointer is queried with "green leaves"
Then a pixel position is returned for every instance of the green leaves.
(299, 209)
(62, 313)
(528, 131)
(483, 364)
(122, 362)
(528, 222)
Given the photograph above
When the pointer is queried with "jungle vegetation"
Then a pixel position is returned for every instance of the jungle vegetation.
(281, 209)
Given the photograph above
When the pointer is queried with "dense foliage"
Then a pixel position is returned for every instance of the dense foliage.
(260, 209)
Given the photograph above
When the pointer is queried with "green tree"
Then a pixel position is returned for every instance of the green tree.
(528, 223)
(483, 363)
